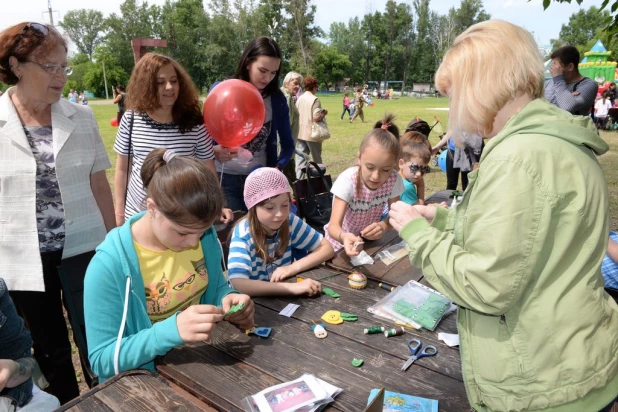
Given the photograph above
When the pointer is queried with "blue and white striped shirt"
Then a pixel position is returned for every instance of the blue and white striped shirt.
(245, 263)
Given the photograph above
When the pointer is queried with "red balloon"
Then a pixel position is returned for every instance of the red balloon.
(234, 112)
(114, 122)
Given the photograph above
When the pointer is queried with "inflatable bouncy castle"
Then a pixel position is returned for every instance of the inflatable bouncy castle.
(595, 65)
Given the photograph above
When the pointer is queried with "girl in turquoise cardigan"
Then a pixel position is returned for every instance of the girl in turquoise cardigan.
(150, 286)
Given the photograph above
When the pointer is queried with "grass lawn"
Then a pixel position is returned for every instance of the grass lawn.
(339, 152)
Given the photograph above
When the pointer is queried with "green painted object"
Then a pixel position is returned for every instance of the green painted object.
(357, 362)
(330, 292)
(234, 309)
(350, 317)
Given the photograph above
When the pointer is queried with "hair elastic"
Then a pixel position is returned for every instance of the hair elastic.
(169, 155)
(385, 126)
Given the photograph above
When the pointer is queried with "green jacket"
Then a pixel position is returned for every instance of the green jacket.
(521, 255)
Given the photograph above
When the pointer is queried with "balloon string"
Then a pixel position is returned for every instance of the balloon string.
(221, 177)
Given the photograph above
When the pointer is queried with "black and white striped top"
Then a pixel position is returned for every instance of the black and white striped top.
(148, 134)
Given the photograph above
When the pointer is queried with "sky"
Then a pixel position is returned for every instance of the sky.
(545, 25)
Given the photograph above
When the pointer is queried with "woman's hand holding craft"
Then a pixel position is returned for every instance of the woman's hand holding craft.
(196, 322)
(307, 287)
(225, 154)
(402, 213)
(244, 317)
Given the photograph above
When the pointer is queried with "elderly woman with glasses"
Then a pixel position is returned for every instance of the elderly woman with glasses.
(55, 200)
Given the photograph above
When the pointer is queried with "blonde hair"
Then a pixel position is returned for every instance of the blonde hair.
(489, 65)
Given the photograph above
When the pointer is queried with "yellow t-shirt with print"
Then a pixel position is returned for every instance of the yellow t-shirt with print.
(172, 280)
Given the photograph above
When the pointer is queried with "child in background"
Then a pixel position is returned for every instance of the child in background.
(601, 111)
(417, 137)
(346, 105)
(362, 192)
(413, 164)
(358, 105)
(260, 257)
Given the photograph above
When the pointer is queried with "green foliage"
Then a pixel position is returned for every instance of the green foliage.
(610, 23)
(330, 66)
(81, 64)
(85, 28)
(405, 41)
(581, 28)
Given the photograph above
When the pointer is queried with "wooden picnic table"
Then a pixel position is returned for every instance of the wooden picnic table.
(397, 273)
(234, 365)
(136, 391)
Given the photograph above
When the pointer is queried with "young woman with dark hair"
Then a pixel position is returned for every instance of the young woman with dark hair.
(260, 65)
(160, 272)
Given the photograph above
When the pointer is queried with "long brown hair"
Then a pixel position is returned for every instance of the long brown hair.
(259, 235)
(184, 189)
(385, 134)
(25, 41)
(143, 94)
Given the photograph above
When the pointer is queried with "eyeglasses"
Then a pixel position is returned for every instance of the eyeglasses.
(54, 69)
(414, 169)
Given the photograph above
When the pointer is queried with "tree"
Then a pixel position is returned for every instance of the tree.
(580, 29)
(93, 77)
(423, 64)
(351, 40)
(186, 25)
(610, 23)
(330, 66)
(81, 64)
(133, 22)
(300, 28)
(469, 13)
(85, 29)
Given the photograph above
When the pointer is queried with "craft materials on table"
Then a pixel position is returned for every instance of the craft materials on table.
(417, 352)
(335, 317)
(393, 253)
(234, 309)
(259, 331)
(289, 310)
(319, 331)
(372, 330)
(386, 287)
(414, 304)
(451, 339)
(357, 363)
(306, 394)
(357, 280)
(394, 401)
(362, 258)
(394, 332)
(330, 292)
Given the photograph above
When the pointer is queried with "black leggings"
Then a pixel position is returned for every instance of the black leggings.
(346, 109)
(452, 174)
(42, 312)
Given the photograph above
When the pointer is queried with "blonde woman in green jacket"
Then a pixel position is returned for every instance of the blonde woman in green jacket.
(521, 253)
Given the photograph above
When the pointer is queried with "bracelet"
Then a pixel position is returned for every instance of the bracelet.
(119, 214)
